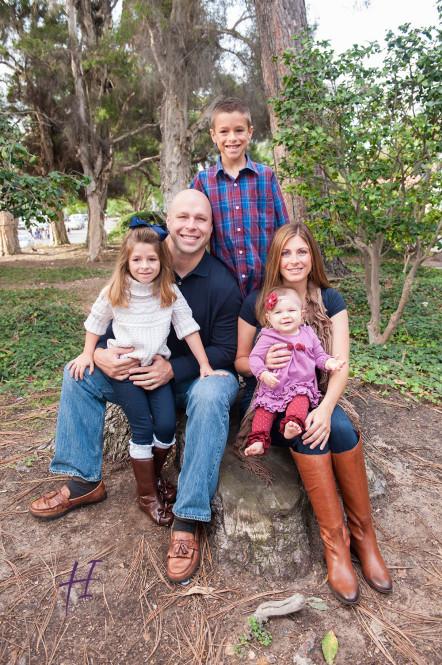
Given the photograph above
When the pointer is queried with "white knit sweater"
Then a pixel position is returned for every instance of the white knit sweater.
(144, 324)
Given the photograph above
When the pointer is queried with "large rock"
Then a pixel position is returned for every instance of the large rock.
(262, 528)
(255, 526)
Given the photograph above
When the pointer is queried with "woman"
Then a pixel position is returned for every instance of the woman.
(330, 446)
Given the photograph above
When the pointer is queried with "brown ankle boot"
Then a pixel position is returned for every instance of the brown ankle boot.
(148, 498)
(349, 468)
(317, 475)
(166, 489)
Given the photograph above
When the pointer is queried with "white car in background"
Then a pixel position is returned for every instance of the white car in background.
(76, 222)
(25, 238)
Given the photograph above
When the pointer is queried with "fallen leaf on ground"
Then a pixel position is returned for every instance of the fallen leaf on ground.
(330, 647)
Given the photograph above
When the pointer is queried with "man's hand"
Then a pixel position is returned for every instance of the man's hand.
(157, 374)
(109, 361)
(277, 356)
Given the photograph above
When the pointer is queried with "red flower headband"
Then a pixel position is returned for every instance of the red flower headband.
(271, 301)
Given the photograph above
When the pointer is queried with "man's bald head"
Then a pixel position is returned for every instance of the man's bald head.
(192, 198)
(190, 223)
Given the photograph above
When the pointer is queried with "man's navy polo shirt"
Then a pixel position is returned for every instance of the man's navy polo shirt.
(214, 298)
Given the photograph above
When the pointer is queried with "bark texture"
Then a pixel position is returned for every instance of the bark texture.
(58, 231)
(278, 21)
(181, 44)
(95, 150)
(8, 235)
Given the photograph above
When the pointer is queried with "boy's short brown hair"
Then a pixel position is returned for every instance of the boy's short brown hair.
(231, 105)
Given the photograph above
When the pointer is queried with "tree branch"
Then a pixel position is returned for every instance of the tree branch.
(198, 126)
(134, 167)
(149, 178)
(118, 139)
(237, 35)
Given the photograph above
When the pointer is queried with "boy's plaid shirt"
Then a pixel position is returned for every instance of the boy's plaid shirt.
(246, 213)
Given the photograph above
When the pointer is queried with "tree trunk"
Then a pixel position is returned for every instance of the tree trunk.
(95, 153)
(175, 157)
(8, 235)
(372, 261)
(278, 21)
(168, 44)
(176, 43)
(58, 231)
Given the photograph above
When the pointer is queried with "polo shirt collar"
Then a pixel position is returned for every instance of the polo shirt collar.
(250, 165)
(202, 269)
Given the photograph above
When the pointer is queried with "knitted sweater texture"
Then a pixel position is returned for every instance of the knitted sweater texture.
(144, 324)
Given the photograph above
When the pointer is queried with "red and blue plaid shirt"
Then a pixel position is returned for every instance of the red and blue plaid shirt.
(247, 211)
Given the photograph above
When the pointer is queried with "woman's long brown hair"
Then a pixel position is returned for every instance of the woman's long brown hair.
(272, 274)
(118, 287)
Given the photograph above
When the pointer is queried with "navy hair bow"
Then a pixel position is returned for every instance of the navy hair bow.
(136, 221)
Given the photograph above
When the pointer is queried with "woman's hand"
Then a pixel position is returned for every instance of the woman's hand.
(277, 356)
(317, 427)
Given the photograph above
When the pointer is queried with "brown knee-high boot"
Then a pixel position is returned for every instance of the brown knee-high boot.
(317, 475)
(148, 498)
(166, 489)
(349, 468)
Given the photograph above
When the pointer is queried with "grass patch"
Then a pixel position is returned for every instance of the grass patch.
(10, 275)
(411, 360)
(42, 329)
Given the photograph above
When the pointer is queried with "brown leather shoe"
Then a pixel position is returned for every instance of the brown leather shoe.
(56, 504)
(183, 557)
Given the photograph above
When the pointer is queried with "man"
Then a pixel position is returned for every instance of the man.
(213, 296)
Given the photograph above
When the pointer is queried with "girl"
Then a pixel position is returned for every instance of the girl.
(142, 301)
(296, 389)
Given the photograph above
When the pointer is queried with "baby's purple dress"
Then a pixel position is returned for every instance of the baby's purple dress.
(298, 377)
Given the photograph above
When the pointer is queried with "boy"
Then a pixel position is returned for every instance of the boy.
(246, 199)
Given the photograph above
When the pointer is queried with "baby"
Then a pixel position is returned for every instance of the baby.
(293, 389)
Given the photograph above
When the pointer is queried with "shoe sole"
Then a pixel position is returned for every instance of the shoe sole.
(343, 600)
(65, 512)
(376, 588)
(187, 579)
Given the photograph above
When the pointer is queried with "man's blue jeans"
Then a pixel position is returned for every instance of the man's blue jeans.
(79, 435)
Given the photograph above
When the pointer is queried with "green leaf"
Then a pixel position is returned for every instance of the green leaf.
(317, 603)
(330, 647)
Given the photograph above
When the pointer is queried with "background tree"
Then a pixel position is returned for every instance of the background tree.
(23, 195)
(182, 45)
(278, 21)
(37, 79)
(365, 143)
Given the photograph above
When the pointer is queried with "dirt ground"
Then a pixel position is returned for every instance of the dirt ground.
(129, 613)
